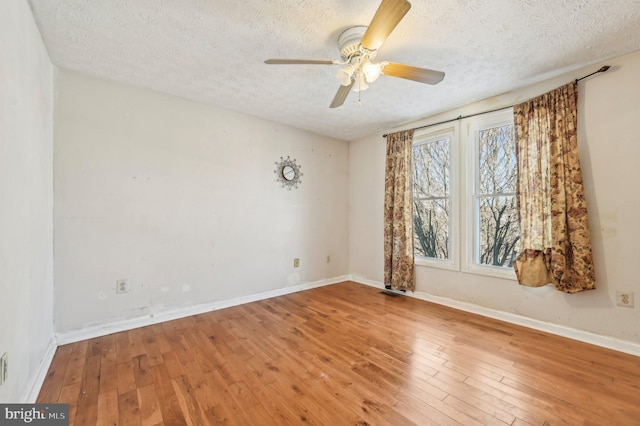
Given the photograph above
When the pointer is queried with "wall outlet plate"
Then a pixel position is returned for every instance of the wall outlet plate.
(122, 286)
(296, 262)
(624, 299)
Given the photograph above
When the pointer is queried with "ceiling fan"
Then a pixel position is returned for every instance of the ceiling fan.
(358, 47)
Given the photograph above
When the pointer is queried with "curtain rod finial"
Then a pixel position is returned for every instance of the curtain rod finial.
(604, 68)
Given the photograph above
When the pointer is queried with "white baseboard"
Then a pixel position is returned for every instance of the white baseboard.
(43, 368)
(116, 326)
(560, 330)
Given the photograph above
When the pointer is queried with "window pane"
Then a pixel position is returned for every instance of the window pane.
(431, 197)
(431, 228)
(499, 233)
(497, 160)
(431, 169)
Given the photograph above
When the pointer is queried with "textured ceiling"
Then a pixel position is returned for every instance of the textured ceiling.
(212, 51)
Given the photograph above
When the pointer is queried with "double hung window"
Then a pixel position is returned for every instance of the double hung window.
(485, 227)
(495, 233)
(434, 216)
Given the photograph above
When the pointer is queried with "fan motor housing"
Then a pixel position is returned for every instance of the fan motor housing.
(349, 41)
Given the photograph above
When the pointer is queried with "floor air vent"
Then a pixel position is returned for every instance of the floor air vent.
(390, 293)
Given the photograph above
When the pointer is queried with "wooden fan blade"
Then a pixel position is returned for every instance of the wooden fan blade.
(387, 17)
(300, 61)
(341, 95)
(421, 75)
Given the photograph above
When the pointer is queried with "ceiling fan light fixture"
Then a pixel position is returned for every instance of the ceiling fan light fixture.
(344, 75)
(371, 71)
(360, 84)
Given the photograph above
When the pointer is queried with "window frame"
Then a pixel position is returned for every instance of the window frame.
(430, 135)
(471, 196)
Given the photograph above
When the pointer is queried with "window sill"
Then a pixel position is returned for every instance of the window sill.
(449, 264)
(491, 271)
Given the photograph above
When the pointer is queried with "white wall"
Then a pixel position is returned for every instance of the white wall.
(26, 199)
(181, 199)
(609, 110)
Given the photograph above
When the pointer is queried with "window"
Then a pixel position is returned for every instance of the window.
(494, 236)
(432, 198)
(488, 233)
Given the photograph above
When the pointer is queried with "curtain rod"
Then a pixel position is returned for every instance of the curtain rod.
(460, 117)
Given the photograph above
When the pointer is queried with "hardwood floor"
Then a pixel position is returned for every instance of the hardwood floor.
(339, 355)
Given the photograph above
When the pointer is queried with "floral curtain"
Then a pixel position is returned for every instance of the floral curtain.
(398, 213)
(551, 202)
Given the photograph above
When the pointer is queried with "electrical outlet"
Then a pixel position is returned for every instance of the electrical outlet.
(296, 262)
(624, 298)
(328, 258)
(4, 368)
(122, 286)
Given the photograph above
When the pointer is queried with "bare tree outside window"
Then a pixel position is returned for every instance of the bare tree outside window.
(494, 235)
(496, 214)
(431, 198)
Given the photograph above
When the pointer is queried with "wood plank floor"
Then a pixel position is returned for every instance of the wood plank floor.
(343, 354)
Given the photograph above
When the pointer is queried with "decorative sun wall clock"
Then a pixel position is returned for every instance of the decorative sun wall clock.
(288, 172)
